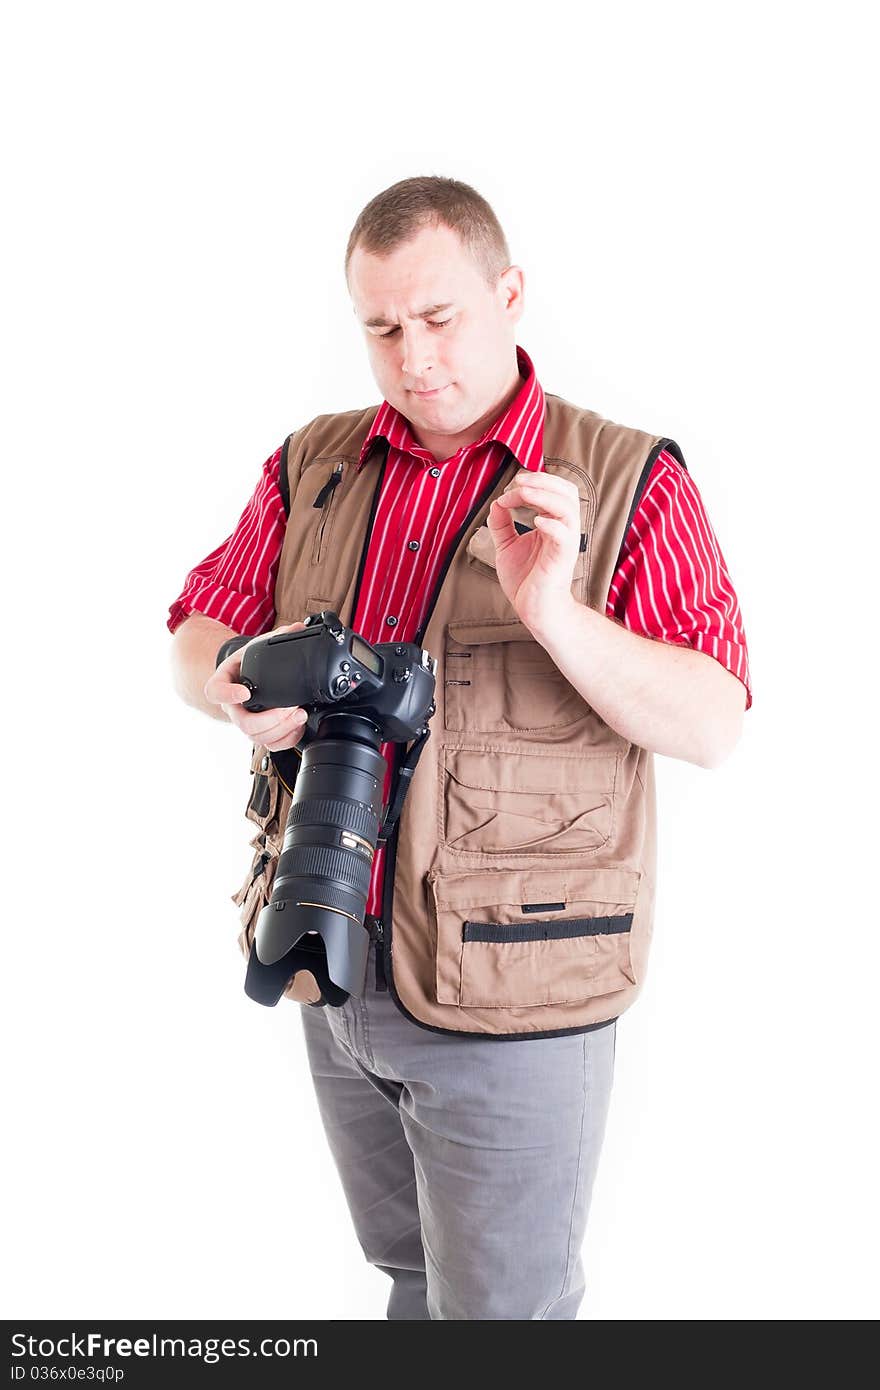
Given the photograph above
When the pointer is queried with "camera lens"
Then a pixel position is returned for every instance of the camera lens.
(326, 862)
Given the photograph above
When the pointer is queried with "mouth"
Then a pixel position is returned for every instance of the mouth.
(429, 395)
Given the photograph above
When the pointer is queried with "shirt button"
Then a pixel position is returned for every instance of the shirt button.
(392, 622)
(412, 545)
(434, 472)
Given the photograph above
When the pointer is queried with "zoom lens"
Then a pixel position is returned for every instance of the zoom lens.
(319, 894)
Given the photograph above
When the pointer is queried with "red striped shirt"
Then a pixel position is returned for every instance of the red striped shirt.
(672, 582)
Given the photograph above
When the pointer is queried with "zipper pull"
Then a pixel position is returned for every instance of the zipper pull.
(335, 477)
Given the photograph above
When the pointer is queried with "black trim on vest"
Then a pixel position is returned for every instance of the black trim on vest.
(283, 478)
(545, 931)
(372, 517)
(672, 448)
(452, 550)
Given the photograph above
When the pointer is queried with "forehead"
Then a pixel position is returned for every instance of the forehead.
(433, 268)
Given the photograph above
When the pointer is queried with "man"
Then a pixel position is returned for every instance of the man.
(563, 571)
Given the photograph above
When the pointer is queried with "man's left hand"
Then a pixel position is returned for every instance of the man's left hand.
(535, 569)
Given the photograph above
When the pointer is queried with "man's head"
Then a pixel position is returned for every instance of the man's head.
(427, 267)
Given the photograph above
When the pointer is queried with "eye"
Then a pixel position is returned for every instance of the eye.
(435, 323)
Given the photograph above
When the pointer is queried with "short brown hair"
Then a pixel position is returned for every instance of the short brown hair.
(398, 213)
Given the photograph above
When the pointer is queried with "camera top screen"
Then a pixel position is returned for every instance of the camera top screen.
(365, 655)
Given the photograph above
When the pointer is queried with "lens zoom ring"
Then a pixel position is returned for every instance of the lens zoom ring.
(346, 815)
(343, 866)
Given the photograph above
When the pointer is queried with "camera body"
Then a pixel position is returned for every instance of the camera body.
(358, 696)
(326, 667)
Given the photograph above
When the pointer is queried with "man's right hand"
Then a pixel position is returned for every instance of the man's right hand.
(275, 729)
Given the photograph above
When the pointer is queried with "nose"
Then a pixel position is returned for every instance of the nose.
(417, 364)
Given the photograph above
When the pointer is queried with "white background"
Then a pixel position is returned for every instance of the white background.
(688, 192)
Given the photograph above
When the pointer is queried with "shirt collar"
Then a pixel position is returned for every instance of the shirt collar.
(520, 428)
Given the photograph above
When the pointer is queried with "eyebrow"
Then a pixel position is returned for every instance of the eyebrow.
(419, 314)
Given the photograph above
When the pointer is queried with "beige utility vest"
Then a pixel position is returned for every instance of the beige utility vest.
(520, 879)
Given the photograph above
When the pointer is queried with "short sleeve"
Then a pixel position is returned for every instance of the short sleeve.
(235, 584)
(672, 582)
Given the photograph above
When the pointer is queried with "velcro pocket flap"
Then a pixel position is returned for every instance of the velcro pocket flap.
(510, 939)
(477, 632)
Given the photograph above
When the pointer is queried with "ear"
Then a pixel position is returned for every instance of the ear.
(511, 284)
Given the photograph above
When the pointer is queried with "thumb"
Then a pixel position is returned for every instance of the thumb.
(499, 519)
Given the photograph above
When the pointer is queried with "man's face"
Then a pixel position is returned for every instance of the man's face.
(442, 329)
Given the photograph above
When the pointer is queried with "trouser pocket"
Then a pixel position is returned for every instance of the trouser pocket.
(511, 938)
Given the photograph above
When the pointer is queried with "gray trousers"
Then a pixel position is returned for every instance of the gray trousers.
(467, 1164)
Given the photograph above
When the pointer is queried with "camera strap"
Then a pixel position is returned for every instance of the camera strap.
(401, 786)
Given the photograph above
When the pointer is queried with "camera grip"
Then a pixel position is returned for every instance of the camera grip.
(232, 644)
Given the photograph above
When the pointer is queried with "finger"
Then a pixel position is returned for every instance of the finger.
(547, 482)
(285, 740)
(553, 504)
(229, 711)
(224, 691)
(268, 726)
(226, 675)
(221, 692)
(557, 536)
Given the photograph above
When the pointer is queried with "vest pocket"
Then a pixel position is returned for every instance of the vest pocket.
(481, 566)
(480, 549)
(268, 807)
(499, 679)
(514, 802)
(518, 939)
(255, 892)
(269, 801)
(263, 800)
(324, 503)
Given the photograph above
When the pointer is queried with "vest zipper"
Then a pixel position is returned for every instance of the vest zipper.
(379, 937)
(325, 499)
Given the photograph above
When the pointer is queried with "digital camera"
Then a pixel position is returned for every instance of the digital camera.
(357, 696)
